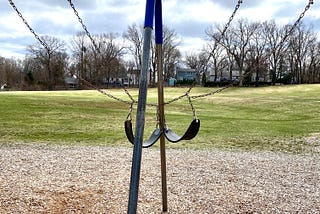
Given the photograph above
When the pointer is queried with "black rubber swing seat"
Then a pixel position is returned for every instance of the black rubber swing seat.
(191, 132)
(152, 139)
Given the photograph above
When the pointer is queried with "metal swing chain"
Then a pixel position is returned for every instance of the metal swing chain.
(178, 98)
(192, 107)
(129, 117)
(29, 27)
(225, 28)
(110, 95)
(158, 118)
(98, 50)
(295, 24)
(84, 26)
(212, 92)
(230, 19)
(280, 45)
(219, 90)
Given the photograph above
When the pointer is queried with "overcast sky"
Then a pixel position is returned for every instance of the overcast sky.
(189, 18)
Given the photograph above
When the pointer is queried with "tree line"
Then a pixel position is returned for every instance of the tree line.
(258, 53)
(252, 51)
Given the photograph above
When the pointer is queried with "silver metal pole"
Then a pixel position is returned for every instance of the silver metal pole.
(137, 148)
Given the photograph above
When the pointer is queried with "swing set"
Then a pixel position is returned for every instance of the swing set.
(153, 14)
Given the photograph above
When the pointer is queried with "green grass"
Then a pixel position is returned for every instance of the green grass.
(267, 118)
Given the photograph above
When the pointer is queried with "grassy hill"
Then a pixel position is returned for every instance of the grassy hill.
(278, 118)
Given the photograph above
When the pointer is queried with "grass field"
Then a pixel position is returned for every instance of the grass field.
(278, 118)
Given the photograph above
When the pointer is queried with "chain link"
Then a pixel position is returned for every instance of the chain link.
(230, 19)
(295, 24)
(192, 107)
(129, 117)
(178, 98)
(187, 94)
(108, 94)
(218, 39)
(29, 27)
(98, 50)
(212, 92)
(279, 46)
(84, 26)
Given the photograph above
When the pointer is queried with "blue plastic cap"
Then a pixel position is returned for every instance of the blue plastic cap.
(148, 22)
(158, 20)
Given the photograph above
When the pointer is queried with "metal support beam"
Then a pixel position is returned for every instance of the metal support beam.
(137, 148)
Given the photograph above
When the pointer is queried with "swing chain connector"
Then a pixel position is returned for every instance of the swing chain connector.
(129, 95)
(191, 105)
(158, 118)
(129, 117)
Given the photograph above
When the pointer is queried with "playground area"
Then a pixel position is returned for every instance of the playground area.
(94, 179)
(257, 151)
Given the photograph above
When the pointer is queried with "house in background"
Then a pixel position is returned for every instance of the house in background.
(186, 74)
(71, 82)
(224, 75)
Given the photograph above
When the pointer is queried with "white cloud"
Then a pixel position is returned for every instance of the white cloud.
(189, 18)
(192, 45)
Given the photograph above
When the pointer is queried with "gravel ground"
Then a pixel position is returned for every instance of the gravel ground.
(61, 179)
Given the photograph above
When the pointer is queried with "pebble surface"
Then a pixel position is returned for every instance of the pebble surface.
(96, 179)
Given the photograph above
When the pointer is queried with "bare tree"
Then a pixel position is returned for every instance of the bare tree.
(79, 47)
(10, 72)
(236, 41)
(107, 61)
(273, 35)
(171, 53)
(3, 71)
(216, 51)
(314, 66)
(256, 58)
(134, 35)
(199, 62)
(48, 59)
(301, 45)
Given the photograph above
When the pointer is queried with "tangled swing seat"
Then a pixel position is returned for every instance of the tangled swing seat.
(152, 139)
(191, 132)
(171, 136)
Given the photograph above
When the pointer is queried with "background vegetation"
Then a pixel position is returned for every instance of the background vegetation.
(254, 50)
(267, 118)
